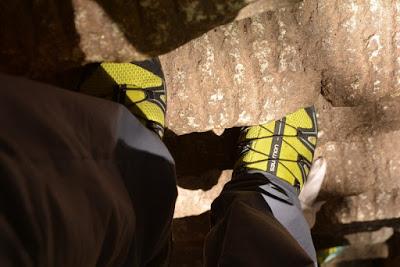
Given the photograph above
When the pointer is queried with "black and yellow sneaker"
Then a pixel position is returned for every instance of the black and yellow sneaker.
(284, 148)
(138, 85)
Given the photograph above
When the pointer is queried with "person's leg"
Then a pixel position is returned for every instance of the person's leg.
(82, 182)
(257, 219)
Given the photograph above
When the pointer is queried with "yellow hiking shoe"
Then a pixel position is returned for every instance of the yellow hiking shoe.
(284, 148)
(138, 85)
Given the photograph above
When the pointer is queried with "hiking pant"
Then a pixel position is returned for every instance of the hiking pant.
(83, 183)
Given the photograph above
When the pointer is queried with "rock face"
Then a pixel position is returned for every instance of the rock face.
(243, 73)
(362, 184)
(40, 39)
(360, 49)
(346, 50)
(260, 68)
(343, 55)
(362, 188)
(261, 6)
(364, 246)
(361, 145)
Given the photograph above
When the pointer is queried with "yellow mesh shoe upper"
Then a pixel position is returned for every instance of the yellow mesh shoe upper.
(137, 87)
(284, 148)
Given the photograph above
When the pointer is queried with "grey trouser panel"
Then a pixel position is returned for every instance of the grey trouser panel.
(257, 221)
(83, 183)
(286, 208)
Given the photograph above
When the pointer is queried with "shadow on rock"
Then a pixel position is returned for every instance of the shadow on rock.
(201, 157)
(327, 233)
(50, 37)
(38, 38)
(159, 26)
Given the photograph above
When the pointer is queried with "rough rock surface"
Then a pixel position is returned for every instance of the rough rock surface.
(259, 68)
(362, 187)
(361, 145)
(40, 39)
(246, 72)
(261, 6)
(365, 245)
(347, 50)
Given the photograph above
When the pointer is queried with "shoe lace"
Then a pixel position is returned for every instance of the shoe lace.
(245, 145)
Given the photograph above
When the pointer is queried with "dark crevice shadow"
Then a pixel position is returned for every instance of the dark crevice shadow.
(328, 234)
(201, 157)
(39, 39)
(163, 25)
